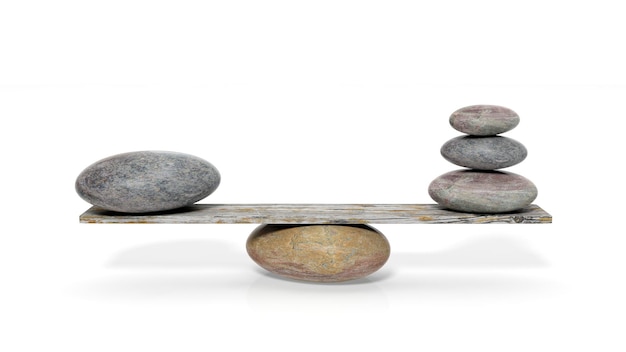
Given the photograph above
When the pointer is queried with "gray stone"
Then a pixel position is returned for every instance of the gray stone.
(147, 181)
(484, 153)
(484, 120)
(476, 191)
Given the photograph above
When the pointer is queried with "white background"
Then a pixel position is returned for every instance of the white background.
(310, 101)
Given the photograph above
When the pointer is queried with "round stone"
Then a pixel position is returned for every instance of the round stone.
(484, 120)
(147, 181)
(324, 253)
(476, 191)
(484, 153)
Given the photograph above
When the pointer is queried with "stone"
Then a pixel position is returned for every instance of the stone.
(476, 191)
(484, 153)
(322, 253)
(484, 120)
(147, 181)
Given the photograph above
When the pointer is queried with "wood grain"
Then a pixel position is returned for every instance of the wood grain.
(316, 214)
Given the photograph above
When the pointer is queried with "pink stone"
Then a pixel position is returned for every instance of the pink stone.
(476, 191)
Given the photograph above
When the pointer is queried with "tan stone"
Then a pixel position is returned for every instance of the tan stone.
(324, 253)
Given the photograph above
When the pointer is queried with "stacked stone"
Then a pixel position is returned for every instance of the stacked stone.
(481, 187)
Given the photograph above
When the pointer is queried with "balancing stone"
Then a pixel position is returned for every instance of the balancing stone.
(478, 191)
(484, 153)
(484, 120)
(147, 181)
(323, 253)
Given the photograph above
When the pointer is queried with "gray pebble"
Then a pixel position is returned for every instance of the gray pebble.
(147, 181)
(475, 191)
(484, 120)
(484, 153)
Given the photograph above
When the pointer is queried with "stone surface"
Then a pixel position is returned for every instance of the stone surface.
(324, 253)
(477, 191)
(484, 120)
(484, 153)
(147, 181)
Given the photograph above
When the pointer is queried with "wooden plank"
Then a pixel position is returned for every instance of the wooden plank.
(316, 214)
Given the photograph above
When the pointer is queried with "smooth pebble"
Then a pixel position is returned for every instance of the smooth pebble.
(147, 181)
(476, 191)
(484, 120)
(484, 153)
(324, 253)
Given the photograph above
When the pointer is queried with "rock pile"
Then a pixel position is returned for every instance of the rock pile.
(481, 187)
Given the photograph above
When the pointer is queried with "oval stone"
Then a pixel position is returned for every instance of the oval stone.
(484, 153)
(323, 253)
(484, 120)
(476, 191)
(147, 181)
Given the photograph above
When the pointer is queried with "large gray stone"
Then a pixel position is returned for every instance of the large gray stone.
(484, 153)
(484, 120)
(147, 181)
(476, 191)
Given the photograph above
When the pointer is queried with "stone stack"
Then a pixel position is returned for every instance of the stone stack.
(481, 187)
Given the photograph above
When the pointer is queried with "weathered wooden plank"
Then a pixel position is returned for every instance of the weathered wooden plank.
(316, 214)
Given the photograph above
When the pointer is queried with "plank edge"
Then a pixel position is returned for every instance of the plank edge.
(254, 214)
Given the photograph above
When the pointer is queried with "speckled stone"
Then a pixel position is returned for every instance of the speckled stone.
(484, 120)
(147, 181)
(475, 191)
(484, 153)
(323, 253)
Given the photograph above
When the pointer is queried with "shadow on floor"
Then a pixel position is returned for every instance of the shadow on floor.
(483, 252)
(182, 254)
(226, 273)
